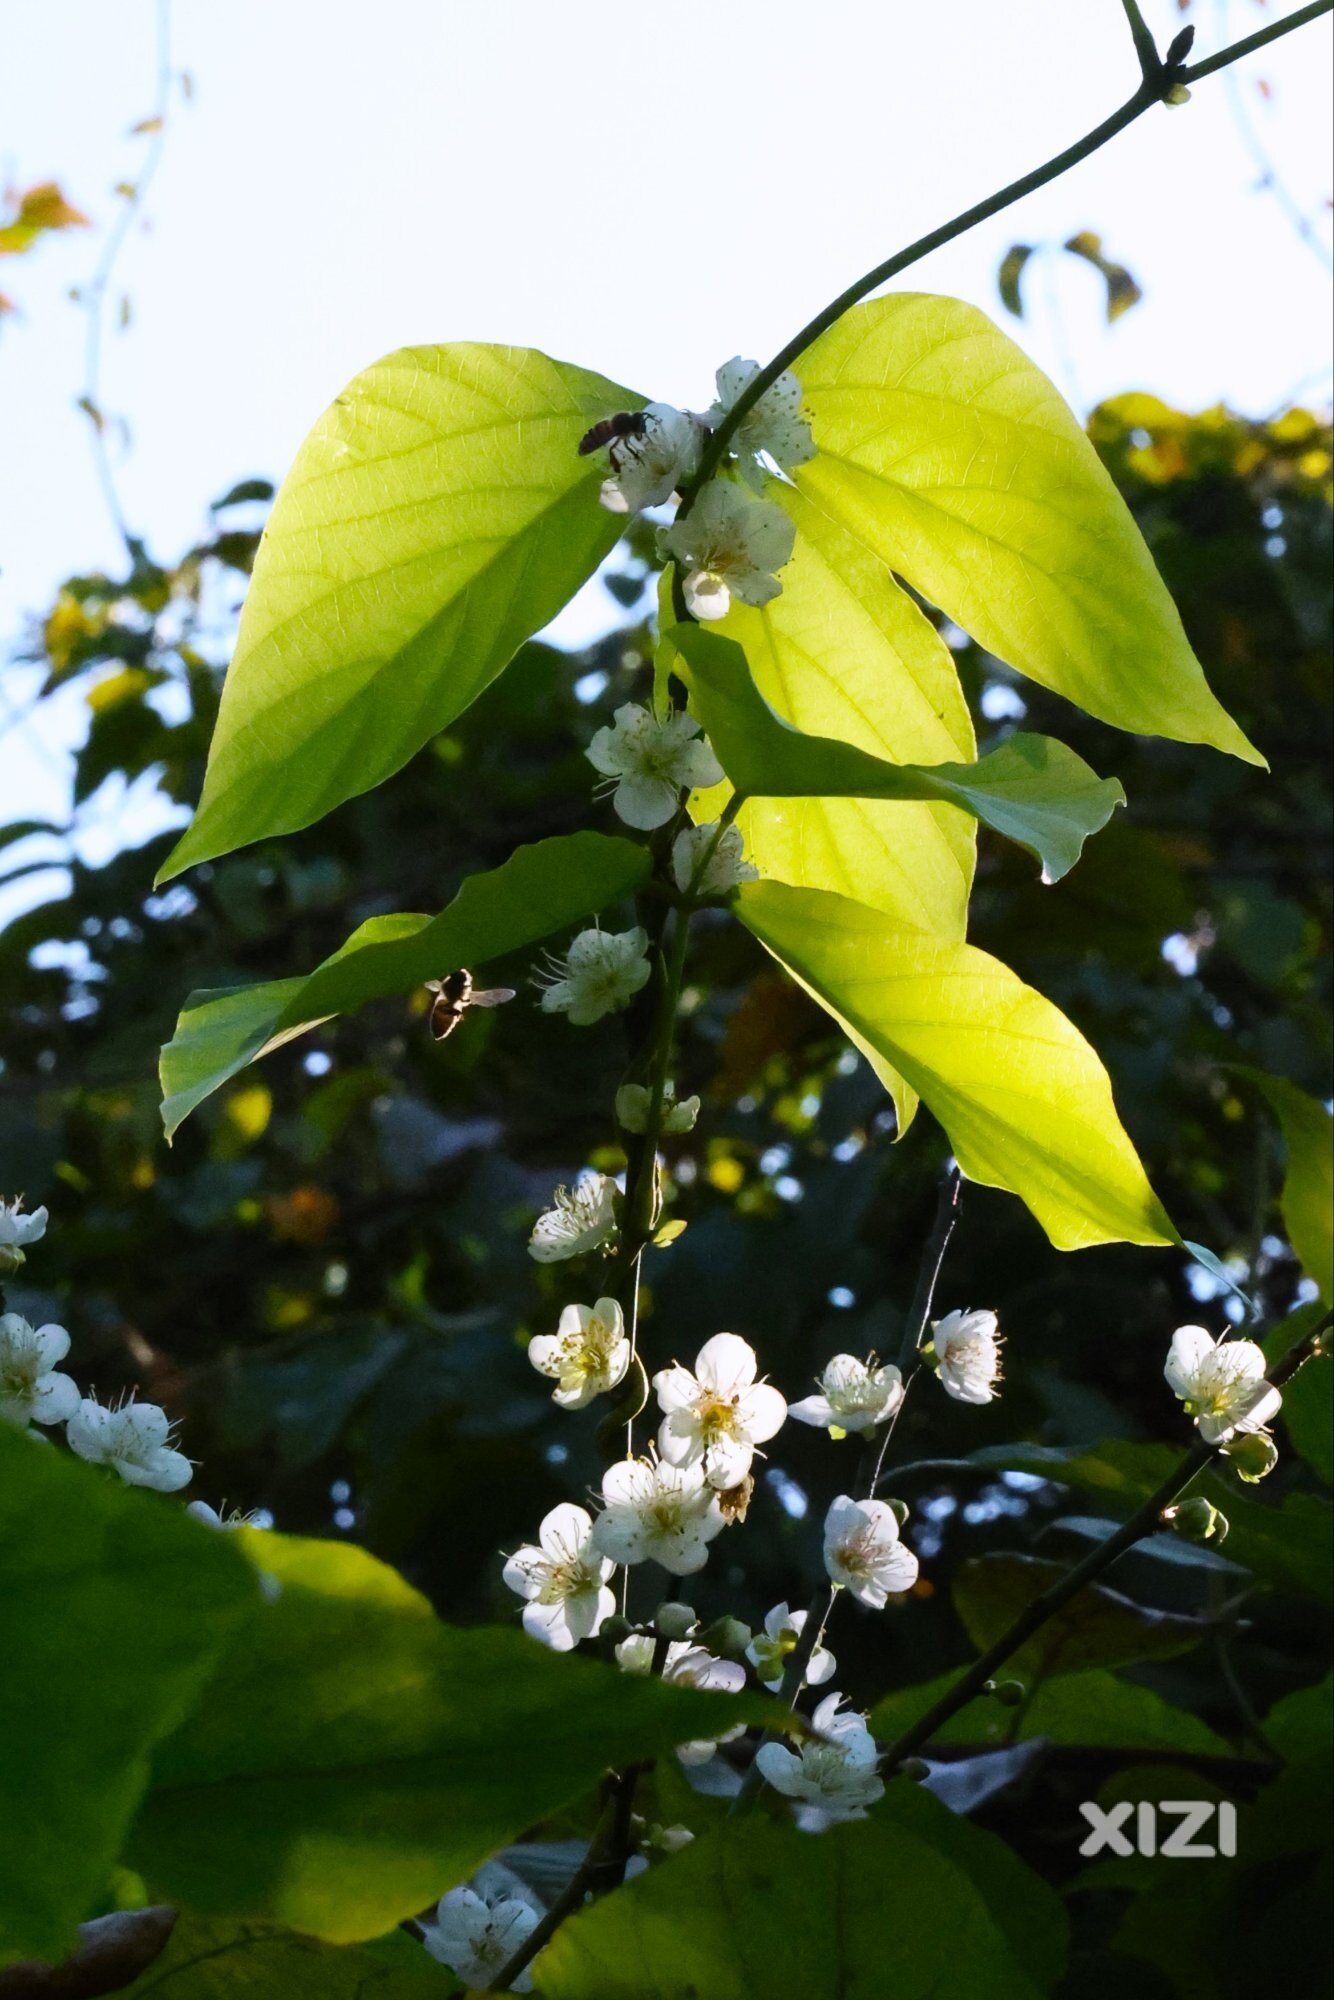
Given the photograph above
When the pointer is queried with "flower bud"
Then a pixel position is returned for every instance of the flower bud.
(674, 1621)
(1008, 1693)
(727, 1637)
(615, 1629)
(1252, 1456)
(10, 1258)
(1197, 1519)
(900, 1510)
(914, 1769)
(1177, 94)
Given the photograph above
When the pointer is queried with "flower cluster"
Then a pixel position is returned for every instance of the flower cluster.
(132, 1439)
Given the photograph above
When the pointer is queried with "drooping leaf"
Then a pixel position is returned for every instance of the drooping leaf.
(1091, 1709)
(1308, 1185)
(540, 889)
(115, 1608)
(1012, 267)
(755, 1908)
(356, 1758)
(436, 517)
(950, 454)
(220, 1961)
(1099, 1628)
(1288, 1543)
(1122, 290)
(1032, 789)
(1024, 1099)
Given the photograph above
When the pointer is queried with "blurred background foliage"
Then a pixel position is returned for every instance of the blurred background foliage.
(326, 1278)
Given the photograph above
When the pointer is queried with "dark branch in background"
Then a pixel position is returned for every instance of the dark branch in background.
(1142, 1523)
(93, 294)
(1166, 82)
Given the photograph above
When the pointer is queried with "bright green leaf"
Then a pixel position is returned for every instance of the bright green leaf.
(356, 1758)
(219, 1961)
(1308, 1396)
(1099, 1628)
(540, 889)
(437, 516)
(1024, 1099)
(1092, 1709)
(1308, 1186)
(950, 454)
(115, 1609)
(755, 1908)
(1032, 789)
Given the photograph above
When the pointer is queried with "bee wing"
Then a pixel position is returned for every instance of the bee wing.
(492, 996)
(434, 985)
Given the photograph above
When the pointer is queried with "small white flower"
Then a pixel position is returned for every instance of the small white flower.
(134, 1440)
(729, 547)
(717, 1416)
(653, 762)
(775, 427)
(863, 1552)
(578, 1221)
(768, 1651)
(31, 1389)
(17, 1231)
(564, 1581)
(633, 1101)
(661, 1513)
(726, 866)
(587, 1354)
(967, 1350)
(600, 973)
(213, 1517)
(693, 1666)
(838, 1774)
(855, 1396)
(475, 1937)
(1221, 1382)
(647, 469)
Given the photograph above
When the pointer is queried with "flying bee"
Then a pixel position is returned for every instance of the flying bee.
(628, 424)
(454, 994)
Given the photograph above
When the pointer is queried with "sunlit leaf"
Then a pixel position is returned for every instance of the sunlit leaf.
(540, 889)
(1091, 1708)
(1032, 789)
(1308, 1184)
(436, 517)
(951, 455)
(116, 1607)
(1024, 1099)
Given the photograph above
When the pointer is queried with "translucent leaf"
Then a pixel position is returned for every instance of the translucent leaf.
(952, 456)
(436, 517)
(1024, 1099)
(116, 1607)
(356, 1758)
(1032, 789)
(540, 889)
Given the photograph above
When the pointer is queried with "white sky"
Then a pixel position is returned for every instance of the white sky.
(643, 190)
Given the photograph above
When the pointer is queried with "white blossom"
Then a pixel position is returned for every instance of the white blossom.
(564, 1580)
(135, 1440)
(580, 1220)
(646, 469)
(726, 866)
(768, 1651)
(634, 1100)
(729, 547)
(854, 1396)
(863, 1552)
(1222, 1383)
(215, 1517)
(967, 1350)
(475, 1937)
(32, 1391)
(836, 1772)
(660, 1513)
(687, 1665)
(17, 1231)
(718, 1415)
(587, 1354)
(775, 427)
(600, 974)
(652, 762)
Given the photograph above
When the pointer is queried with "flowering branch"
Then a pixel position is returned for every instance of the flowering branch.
(1142, 1523)
(1165, 82)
